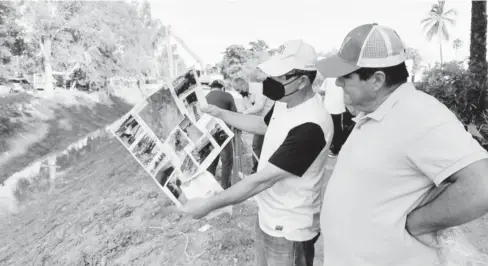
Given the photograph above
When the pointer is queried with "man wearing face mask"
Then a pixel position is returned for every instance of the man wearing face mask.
(288, 182)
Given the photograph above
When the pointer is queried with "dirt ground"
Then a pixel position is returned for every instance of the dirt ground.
(99, 215)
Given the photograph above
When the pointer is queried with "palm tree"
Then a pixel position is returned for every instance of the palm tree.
(438, 22)
(456, 45)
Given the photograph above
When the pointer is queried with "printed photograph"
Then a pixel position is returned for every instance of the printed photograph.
(191, 130)
(161, 114)
(203, 185)
(188, 168)
(164, 173)
(184, 82)
(191, 104)
(145, 150)
(178, 141)
(159, 160)
(129, 131)
(203, 149)
(174, 186)
(217, 132)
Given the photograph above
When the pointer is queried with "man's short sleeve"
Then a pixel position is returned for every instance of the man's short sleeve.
(300, 148)
(267, 117)
(232, 103)
(444, 150)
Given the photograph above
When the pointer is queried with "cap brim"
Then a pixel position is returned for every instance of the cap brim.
(333, 66)
(275, 67)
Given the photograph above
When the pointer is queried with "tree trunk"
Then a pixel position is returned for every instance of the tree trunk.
(48, 71)
(477, 55)
(440, 48)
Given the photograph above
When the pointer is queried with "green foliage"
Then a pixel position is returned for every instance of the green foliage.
(241, 61)
(7, 130)
(456, 87)
(414, 54)
(11, 43)
(103, 39)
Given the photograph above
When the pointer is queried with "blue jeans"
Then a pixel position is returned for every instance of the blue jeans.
(278, 251)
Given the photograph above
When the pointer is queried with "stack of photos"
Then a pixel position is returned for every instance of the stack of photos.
(175, 142)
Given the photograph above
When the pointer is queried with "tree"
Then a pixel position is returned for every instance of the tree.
(235, 56)
(477, 61)
(456, 45)
(11, 43)
(258, 46)
(414, 55)
(103, 39)
(437, 23)
(241, 61)
(277, 50)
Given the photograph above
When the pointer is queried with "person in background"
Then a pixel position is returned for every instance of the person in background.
(408, 170)
(224, 100)
(343, 124)
(258, 104)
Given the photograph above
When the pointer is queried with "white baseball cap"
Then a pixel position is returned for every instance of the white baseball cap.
(369, 45)
(297, 54)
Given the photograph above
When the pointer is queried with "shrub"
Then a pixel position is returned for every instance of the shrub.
(7, 129)
(455, 87)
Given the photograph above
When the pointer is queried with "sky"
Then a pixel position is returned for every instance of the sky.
(209, 26)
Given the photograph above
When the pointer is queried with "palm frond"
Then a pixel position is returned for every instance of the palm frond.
(434, 30)
(451, 12)
(450, 20)
(425, 20)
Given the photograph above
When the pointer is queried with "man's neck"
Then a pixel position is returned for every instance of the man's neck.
(300, 97)
(381, 98)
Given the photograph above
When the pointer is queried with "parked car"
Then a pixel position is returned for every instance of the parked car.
(18, 85)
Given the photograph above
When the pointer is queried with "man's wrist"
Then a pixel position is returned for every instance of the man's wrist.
(220, 114)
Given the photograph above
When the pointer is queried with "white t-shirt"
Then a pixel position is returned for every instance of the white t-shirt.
(393, 157)
(296, 141)
(334, 97)
(256, 95)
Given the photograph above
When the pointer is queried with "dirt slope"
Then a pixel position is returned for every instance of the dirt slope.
(32, 127)
(99, 215)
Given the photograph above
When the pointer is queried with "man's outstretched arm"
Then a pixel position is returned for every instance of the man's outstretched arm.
(249, 123)
(248, 187)
(293, 158)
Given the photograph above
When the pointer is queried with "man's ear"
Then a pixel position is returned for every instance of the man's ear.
(378, 80)
(304, 82)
